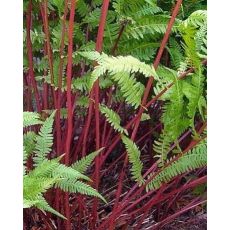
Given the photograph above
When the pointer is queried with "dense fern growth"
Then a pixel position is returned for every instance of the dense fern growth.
(124, 81)
(50, 173)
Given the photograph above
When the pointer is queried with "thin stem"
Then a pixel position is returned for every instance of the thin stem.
(99, 44)
(59, 94)
(69, 104)
(30, 55)
(44, 13)
(118, 39)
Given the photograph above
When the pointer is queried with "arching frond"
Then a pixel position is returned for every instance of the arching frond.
(44, 140)
(72, 185)
(120, 64)
(134, 159)
(31, 118)
(131, 90)
(68, 172)
(82, 165)
(29, 142)
(195, 158)
(113, 118)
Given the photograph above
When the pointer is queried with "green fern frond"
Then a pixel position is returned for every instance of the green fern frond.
(121, 68)
(134, 158)
(194, 159)
(176, 53)
(81, 83)
(45, 168)
(131, 90)
(83, 9)
(144, 50)
(161, 147)
(196, 19)
(201, 41)
(124, 8)
(31, 118)
(83, 101)
(196, 100)
(29, 142)
(68, 172)
(42, 204)
(82, 165)
(74, 186)
(119, 64)
(113, 118)
(44, 140)
(149, 25)
(34, 186)
(174, 118)
(126, 64)
(193, 90)
(148, 9)
(165, 77)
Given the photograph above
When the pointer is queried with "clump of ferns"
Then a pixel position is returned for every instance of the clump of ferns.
(50, 173)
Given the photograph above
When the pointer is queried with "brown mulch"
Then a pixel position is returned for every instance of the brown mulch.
(198, 222)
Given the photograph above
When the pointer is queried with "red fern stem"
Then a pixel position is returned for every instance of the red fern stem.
(30, 55)
(69, 104)
(99, 44)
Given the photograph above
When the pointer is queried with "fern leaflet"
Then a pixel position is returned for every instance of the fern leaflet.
(134, 158)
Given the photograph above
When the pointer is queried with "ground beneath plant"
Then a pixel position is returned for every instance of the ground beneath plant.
(187, 223)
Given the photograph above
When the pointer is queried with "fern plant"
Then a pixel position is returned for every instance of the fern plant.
(194, 159)
(130, 35)
(47, 173)
(122, 70)
(185, 98)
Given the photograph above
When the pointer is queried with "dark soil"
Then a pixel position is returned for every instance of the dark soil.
(198, 222)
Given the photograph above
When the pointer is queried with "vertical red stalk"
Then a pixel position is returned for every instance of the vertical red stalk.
(69, 104)
(30, 55)
(95, 90)
(59, 94)
(44, 13)
(28, 93)
(99, 44)
(45, 86)
(61, 66)
(87, 125)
